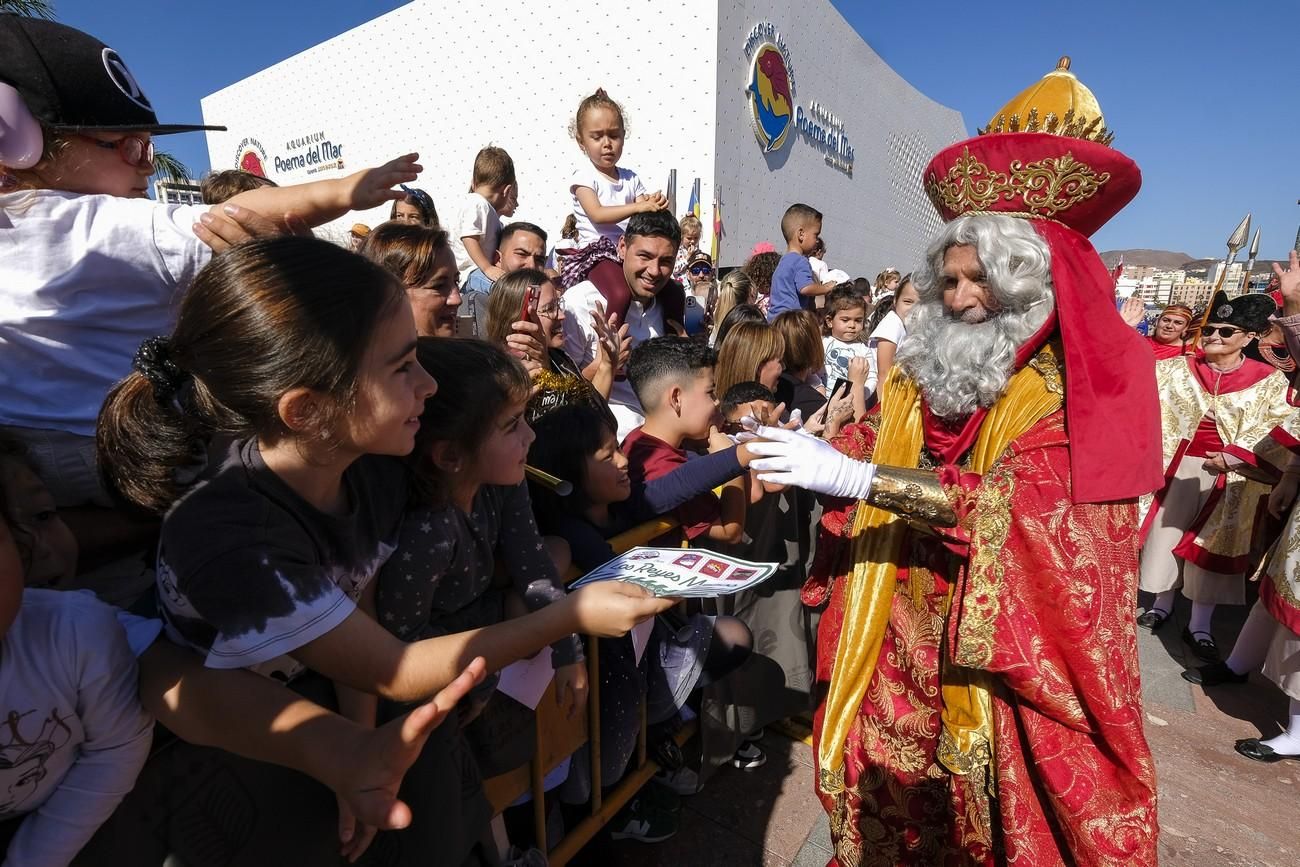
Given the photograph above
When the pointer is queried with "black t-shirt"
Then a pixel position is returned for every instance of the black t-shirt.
(249, 571)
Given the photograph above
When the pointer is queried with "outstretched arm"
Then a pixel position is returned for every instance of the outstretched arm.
(318, 202)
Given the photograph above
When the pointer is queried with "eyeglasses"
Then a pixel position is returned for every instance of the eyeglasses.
(701, 269)
(1223, 330)
(135, 150)
(550, 311)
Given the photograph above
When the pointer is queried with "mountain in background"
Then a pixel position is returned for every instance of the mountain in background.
(1170, 260)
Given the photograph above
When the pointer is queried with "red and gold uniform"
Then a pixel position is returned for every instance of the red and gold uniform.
(981, 701)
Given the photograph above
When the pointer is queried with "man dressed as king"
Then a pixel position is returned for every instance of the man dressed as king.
(981, 701)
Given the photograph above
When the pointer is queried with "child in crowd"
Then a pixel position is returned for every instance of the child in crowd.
(566, 244)
(749, 400)
(692, 229)
(604, 194)
(577, 442)
(76, 735)
(218, 187)
(846, 311)
(470, 520)
(477, 225)
(760, 267)
(415, 207)
(267, 427)
(793, 284)
(673, 378)
(472, 508)
(422, 260)
(887, 282)
(888, 327)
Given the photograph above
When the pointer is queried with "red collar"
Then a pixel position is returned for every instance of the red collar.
(1251, 372)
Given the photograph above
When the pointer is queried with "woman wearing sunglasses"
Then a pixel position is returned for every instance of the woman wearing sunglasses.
(701, 294)
(1226, 428)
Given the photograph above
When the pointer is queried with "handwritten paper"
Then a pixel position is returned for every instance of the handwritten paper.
(681, 572)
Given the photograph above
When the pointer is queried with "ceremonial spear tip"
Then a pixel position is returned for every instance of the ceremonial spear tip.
(1254, 246)
(1237, 239)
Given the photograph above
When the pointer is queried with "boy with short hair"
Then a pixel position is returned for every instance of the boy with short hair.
(793, 284)
(752, 399)
(673, 379)
(478, 224)
(846, 311)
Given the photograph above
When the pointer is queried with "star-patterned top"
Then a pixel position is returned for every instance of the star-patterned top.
(443, 577)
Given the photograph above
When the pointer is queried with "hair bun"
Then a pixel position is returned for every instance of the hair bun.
(600, 91)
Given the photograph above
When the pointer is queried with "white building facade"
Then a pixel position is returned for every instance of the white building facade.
(766, 103)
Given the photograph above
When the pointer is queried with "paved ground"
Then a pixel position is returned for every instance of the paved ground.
(1216, 808)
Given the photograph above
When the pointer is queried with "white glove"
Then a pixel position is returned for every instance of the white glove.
(793, 458)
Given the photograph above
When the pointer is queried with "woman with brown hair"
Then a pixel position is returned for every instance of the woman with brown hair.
(421, 258)
(800, 386)
(752, 352)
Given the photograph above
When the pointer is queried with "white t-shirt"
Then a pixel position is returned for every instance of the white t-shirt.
(83, 280)
(838, 355)
(643, 323)
(891, 328)
(476, 218)
(77, 735)
(608, 192)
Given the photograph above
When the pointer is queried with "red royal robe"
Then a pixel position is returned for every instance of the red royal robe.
(1075, 783)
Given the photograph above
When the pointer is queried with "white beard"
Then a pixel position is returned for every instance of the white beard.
(962, 366)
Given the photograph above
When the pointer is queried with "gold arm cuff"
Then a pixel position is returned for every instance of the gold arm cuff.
(913, 494)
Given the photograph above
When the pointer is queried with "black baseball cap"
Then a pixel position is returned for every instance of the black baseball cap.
(72, 81)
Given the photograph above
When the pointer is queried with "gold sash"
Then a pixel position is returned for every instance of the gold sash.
(1034, 392)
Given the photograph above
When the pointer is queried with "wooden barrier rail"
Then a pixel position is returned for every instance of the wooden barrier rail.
(559, 738)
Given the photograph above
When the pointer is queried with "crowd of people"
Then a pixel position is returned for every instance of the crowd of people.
(274, 514)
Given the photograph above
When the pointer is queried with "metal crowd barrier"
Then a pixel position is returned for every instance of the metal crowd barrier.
(559, 738)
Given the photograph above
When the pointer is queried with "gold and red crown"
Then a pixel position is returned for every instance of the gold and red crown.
(1046, 155)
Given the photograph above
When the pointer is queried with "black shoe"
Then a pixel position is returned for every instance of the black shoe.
(1202, 645)
(1214, 674)
(1252, 749)
(1153, 619)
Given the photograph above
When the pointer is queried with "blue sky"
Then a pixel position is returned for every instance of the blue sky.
(1205, 96)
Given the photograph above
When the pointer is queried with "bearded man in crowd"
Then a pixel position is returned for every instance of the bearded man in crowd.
(982, 702)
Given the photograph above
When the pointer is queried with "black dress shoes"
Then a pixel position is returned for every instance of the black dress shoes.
(1252, 749)
(1153, 619)
(1202, 645)
(1214, 674)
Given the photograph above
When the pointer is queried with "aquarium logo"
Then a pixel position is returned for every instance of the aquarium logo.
(771, 88)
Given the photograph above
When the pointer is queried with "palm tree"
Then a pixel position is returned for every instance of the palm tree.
(30, 8)
(169, 168)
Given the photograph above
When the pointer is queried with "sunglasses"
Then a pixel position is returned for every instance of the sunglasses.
(701, 269)
(1222, 330)
(136, 151)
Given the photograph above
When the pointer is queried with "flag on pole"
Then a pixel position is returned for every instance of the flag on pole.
(693, 207)
(717, 226)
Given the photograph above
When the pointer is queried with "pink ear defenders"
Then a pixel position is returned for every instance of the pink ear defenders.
(21, 141)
